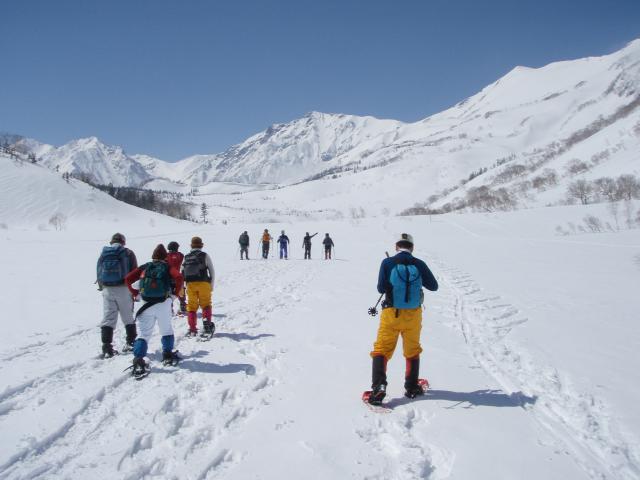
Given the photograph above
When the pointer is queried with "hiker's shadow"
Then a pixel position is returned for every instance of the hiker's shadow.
(477, 398)
(210, 367)
(238, 337)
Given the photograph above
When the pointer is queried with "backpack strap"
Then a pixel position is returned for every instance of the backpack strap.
(149, 304)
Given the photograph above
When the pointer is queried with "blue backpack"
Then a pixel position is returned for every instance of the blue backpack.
(113, 265)
(407, 286)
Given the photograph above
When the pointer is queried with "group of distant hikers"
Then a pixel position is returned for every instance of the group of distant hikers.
(283, 245)
(161, 281)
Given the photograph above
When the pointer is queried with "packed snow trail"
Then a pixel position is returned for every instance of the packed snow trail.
(277, 392)
(177, 415)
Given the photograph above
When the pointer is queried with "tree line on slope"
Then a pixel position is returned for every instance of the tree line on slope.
(164, 202)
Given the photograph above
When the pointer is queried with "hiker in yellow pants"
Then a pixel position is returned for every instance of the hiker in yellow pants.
(199, 274)
(401, 279)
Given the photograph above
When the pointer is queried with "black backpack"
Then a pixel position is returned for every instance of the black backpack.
(195, 267)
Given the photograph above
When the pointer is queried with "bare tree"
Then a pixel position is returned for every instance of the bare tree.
(576, 167)
(547, 178)
(606, 187)
(613, 209)
(593, 223)
(580, 190)
(628, 214)
(58, 221)
(628, 187)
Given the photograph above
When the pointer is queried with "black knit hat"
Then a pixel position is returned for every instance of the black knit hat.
(118, 238)
(173, 246)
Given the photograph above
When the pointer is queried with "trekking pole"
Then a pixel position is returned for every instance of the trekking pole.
(373, 310)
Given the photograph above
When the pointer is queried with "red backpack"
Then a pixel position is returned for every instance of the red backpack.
(174, 259)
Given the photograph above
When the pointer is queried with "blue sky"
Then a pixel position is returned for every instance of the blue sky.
(175, 78)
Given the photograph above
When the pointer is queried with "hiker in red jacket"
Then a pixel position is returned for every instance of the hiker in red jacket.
(155, 289)
(174, 259)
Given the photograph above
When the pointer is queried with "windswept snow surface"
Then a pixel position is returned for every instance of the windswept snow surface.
(530, 348)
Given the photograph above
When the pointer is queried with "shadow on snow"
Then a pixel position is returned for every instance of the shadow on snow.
(478, 398)
(237, 337)
(210, 367)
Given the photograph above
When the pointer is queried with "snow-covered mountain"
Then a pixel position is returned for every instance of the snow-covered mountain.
(292, 152)
(103, 163)
(541, 118)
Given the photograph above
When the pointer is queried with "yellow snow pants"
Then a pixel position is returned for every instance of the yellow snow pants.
(408, 323)
(198, 294)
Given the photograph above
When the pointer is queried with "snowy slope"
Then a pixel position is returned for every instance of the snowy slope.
(31, 194)
(530, 346)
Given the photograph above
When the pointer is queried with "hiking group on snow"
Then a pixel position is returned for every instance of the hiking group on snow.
(283, 245)
(161, 281)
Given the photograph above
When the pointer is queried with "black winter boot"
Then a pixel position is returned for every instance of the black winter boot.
(411, 387)
(208, 327)
(106, 334)
(378, 380)
(132, 333)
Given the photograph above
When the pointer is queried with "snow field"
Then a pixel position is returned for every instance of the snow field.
(526, 381)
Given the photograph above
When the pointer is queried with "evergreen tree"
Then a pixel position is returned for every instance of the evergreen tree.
(203, 212)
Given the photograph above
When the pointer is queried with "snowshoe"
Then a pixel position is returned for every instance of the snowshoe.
(418, 389)
(127, 348)
(139, 369)
(375, 396)
(374, 401)
(171, 358)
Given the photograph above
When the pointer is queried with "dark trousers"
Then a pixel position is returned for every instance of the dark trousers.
(265, 249)
(244, 249)
(307, 252)
(327, 253)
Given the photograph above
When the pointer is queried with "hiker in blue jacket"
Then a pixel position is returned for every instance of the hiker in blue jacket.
(283, 242)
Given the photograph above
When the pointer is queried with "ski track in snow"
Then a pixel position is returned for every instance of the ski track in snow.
(579, 422)
(150, 433)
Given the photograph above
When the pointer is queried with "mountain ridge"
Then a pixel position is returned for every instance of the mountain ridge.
(524, 110)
